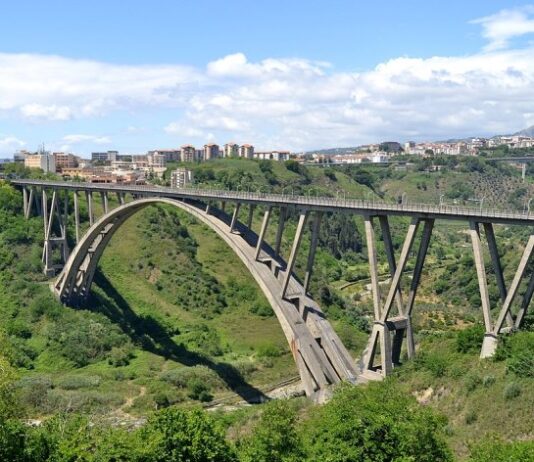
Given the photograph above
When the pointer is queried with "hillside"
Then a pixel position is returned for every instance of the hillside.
(175, 318)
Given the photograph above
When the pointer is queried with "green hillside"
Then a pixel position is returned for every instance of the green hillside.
(175, 319)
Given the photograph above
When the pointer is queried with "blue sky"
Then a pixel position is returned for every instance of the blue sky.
(86, 76)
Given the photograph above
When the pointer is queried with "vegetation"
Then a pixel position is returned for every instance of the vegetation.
(175, 321)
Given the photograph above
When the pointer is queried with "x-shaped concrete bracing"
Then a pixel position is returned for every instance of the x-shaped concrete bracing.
(494, 328)
(383, 324)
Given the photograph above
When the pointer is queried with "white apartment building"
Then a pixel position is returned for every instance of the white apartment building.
(181, 178)
(246, 151)
(231, 150)
(187, 153)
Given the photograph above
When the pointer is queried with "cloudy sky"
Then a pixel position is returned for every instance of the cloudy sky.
(280, 74)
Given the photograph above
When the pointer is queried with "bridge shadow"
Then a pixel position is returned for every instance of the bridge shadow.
(148, 333)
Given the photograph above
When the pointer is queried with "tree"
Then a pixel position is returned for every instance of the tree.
(177, 435)
(274, 439)
(376, 422)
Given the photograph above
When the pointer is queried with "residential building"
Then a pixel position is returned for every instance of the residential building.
(171, 155)
(20, 156)
(246, 151)
(181, 178)
(211, 151)
(187, 153)
(231, 150)
(156, 160)
(65, 160)
(43, 160)
(272, 155)
(108, 156)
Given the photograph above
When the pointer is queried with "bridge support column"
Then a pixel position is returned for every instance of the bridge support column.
(294, 251)
(25, 202)
(77, 216)
(264, 225)
(105, 203)
(399, 326)
(250, 215)
(313, 247)
(89, 198)
(493, 330)
(280, 230)
(50, 241)
(120, 198)
(235, 216)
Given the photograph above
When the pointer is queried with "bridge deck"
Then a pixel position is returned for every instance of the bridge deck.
(326, 204)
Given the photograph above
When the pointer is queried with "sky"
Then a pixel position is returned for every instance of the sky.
(298, 75)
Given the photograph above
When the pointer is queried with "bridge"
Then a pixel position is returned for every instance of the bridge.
(320, 356)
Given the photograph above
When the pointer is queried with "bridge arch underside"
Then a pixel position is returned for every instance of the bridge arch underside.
(320, 356)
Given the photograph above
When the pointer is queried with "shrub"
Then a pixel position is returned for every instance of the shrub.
(199, 390)
(494, 450)
(472, 381)
(435, 362)
(75, 382)
(268, 350)
(274, 438)
(178, 435)
(511, 391)
(469, 340)
(471, 417)
(262, 309)
(376, 422)
(182, 376)
(488, 380)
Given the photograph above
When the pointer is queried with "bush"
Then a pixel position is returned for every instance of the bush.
(75, 382)
(511, 391)
(182, 376)
(376, 422)
(274, 438)
(199, 390)
(436, 363)
(472, 381)
(12, 441)
(84, 339)
(518, 351)
(494, 450)
(469, 340)
(184, 436)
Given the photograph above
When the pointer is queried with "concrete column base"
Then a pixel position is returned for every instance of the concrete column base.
(489, 345)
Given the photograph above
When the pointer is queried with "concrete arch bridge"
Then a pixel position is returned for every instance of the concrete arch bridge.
(320, 356)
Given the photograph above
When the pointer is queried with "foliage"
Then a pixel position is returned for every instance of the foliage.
(372, 423)
(495, 450)
(274, 437)
(176, 435)
(469, 340)
(86, 339)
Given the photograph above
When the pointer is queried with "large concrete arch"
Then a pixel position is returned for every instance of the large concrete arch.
(320, 356)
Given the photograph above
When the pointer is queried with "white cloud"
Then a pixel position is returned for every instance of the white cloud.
(499, 28)
(293, 103)
(9, 144)
(57, 88)
(75, 139)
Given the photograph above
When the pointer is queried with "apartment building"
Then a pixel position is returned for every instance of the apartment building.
(181, 178)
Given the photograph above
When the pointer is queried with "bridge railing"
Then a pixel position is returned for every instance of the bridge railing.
(291, 199)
